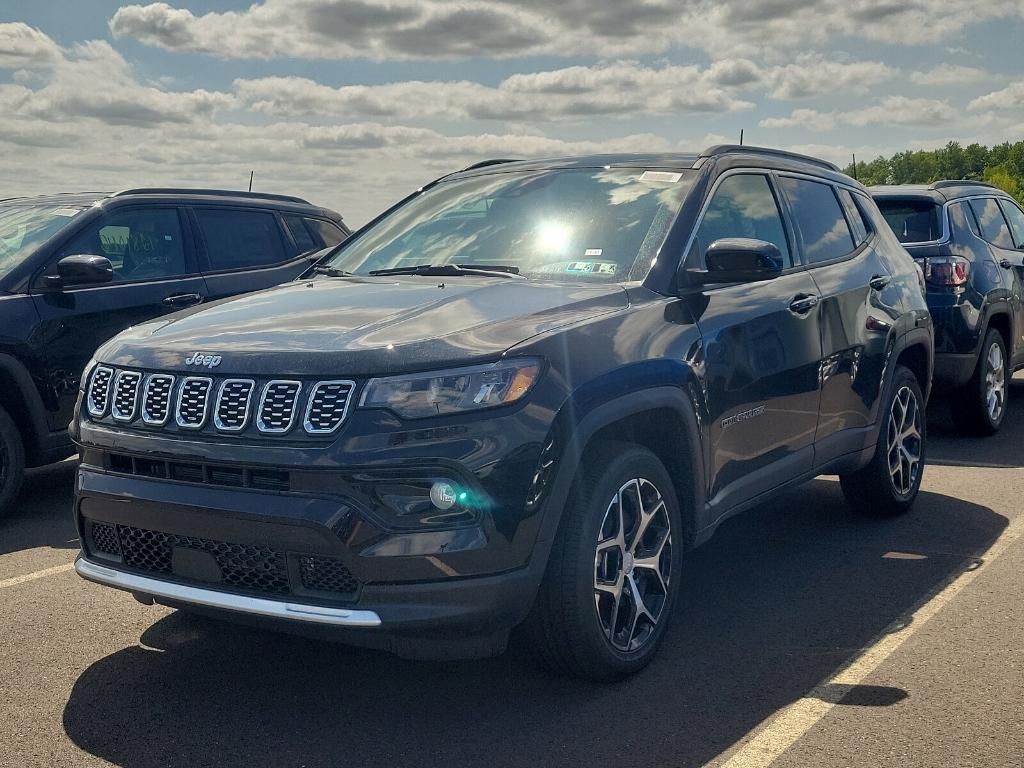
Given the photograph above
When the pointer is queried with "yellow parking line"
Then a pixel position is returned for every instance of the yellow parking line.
(13, 582)
(777, 735)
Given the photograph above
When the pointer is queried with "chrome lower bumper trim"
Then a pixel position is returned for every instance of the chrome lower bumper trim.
(278, 609)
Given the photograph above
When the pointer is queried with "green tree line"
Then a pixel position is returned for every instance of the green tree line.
(1001, 165)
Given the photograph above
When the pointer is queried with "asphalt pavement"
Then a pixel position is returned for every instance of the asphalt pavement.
(785, 607)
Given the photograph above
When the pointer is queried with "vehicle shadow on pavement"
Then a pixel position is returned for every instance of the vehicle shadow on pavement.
(947, 447)
(41, 516)
(771, 607)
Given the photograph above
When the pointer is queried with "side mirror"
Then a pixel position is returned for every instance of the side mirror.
(738, 260)
(81, 270)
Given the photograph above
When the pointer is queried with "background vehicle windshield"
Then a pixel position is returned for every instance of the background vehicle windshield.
(24, 227)
(913, 221)
(590, 224)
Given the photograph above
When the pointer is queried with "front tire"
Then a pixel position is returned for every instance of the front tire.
(614, 568)
(889, 484)
(12, 462)
(979, 407)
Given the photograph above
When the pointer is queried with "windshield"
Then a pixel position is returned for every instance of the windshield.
(581, 224)
(913, 221)
(23, 227)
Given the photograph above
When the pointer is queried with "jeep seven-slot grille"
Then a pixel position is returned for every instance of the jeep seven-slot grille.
(218, 405)
(156, 399)
(233, 404)
(277, 406)
(193, 401)
(242, 567)
(99, 390)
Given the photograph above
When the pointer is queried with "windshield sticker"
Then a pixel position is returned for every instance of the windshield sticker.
(593, 252)
(65, 211)
(607, 268)
(671, 178)
(592, 267)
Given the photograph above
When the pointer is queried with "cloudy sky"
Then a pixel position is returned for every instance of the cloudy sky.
(353, 103)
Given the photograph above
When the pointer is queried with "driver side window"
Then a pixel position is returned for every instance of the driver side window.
(141, 244)
(743, 206)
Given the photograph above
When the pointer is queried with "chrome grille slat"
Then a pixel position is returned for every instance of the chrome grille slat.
(193, 402)
(156, 398)
(233, 399)
(99, 391)
(277, 406)
(125, 399)
(328, 406)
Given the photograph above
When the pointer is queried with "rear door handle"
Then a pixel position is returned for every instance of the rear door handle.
(803, 303)
(878, 282)
(182, 300)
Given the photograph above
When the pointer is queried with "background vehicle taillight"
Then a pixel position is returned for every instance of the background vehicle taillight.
(946, 270)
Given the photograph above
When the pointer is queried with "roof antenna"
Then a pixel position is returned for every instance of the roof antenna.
(741, 137)
(855, 166)
(250, 179)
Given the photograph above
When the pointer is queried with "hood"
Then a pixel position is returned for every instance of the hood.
(362, 326)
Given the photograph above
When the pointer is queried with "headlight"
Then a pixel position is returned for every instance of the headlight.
(456, 390)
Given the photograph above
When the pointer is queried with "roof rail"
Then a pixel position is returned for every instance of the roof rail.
(212, 192)
(961, 183)
(724, 149)
(486, 163)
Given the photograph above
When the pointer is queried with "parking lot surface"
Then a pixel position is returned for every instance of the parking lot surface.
(805, 636)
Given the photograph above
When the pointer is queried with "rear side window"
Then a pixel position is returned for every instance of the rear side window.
(1015, 217)
(913, 221)
(743, 206)
(236, 239)
(993, 225)
(304, 242)
(858, 226)
(329, 232)
(141, 243)
(820, 219)
(962, 217)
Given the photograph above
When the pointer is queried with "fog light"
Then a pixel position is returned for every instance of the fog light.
(443, 495)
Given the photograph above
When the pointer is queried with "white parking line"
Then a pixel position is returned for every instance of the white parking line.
(777, 735)
(15, 581)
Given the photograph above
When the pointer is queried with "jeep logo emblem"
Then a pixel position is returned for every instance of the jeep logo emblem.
(198, 358)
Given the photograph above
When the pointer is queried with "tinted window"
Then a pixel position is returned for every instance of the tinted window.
(330, 233)
(1015, 216)
(913, 221)
(142, 244)
(993, 225)
(743, 206)
(821, 222)
(237, 239)
(854, 216)
(962, 217)
(23, 228)
(304, 242)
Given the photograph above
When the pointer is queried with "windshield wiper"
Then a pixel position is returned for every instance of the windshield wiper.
(323, 269)
(451, 270)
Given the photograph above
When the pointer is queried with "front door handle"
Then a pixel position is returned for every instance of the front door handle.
(182, 300)
(878, 282)
(1006, 264)
(803, 303)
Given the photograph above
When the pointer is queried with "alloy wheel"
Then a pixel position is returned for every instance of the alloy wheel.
(633, 565)
(904, 440)
(995, 383)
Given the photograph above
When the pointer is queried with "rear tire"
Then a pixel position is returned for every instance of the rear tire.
(614, 568)
(889, 484)
(12, 462)
(979, 407)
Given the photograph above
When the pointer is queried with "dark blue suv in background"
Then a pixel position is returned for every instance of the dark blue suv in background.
(517, 398)
(968, 238)
(75, 269)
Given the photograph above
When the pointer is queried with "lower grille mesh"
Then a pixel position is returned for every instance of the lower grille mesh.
(326, 574)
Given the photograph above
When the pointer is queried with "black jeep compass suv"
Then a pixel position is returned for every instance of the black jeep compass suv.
(517, 397)
(968, 237)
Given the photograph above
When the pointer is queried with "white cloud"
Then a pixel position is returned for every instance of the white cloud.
(427, 29)
(24, 47)
(1011, 97)
(812, 75)
(810, 119)
(949, 74)
(903, 110)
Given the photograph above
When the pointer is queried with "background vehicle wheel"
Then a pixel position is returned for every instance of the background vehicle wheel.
(889, 484)
(12, 461)
(614, 569)
(979, 407)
